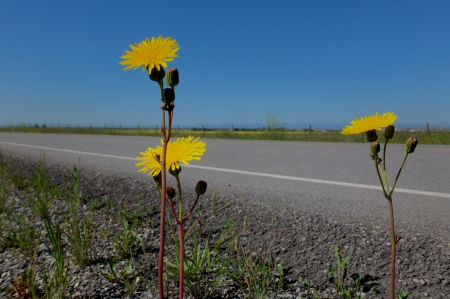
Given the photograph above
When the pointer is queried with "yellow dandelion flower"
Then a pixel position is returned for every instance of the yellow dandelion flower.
(369, 123)
(150, 53)
(182, 150)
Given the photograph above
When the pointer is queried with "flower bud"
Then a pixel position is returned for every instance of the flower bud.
(200, 189)
(158, 180)
(168, 95)
(389, 132)
(410, 145)
(375, 148)
(170, 192)
(172, 77)
(372, 135)
(157, 75)
(175, 171)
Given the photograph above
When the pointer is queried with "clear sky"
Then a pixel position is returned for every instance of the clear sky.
(306, 61)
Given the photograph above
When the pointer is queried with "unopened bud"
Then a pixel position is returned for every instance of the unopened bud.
(172, 77)
(375, 148)
(158, 180)
(170, 192)
(375, 158)
(175, 171)
(410, 145)
(168, 95)
(157, 75)
(372, 135)
(200, 189)
(389, 132)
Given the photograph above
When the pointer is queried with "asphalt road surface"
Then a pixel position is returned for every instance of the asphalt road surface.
(328, 177)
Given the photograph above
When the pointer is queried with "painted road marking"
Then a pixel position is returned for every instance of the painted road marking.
(276, 176)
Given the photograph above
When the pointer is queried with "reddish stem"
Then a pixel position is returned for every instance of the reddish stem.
(192, 209)
(181, 237)
(162, 221)
(393, 246)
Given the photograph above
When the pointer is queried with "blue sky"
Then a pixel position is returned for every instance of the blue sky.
(306, 61)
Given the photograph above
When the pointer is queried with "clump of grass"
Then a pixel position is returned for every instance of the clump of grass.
(18, 233)
(126, 240)
(18, 179)
(80, 225)
(55, 281)
(120, 276)
(339, 274)
(112, 273)
(257, 274)
(4, 193)
(25, 285)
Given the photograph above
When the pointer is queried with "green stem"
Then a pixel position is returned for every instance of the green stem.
(398, 174)
(384, 177)
(384, 153)
(379, 177)
(163, 123)
(180, 197)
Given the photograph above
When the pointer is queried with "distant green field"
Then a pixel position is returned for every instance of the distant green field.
(432, 137)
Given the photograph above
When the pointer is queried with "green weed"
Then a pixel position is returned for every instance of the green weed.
(126, 240)
(18, 179)
(55, 282)
(80, 225)
(254, 273)
(24, 285)
(19, 234)
(113, 274)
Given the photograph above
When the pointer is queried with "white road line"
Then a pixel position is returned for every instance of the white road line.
(284, 177)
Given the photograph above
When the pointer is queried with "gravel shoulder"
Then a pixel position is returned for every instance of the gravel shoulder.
(302, 238)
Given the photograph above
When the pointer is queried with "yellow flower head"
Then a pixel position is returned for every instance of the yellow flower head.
(150, 53)
(182, 150)
(369, 123)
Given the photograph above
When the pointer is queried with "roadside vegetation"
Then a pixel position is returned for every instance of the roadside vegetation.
(55, 232)
(70, 244)
(432, 136)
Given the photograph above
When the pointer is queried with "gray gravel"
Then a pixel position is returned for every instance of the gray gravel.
(304, 238)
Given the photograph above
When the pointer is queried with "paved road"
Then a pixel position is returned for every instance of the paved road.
(333, 177)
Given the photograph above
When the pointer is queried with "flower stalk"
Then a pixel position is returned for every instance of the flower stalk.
(152, 54)
(369, 125)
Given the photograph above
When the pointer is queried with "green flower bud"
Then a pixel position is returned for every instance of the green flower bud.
(168, 95)
(375, 148)
(200, 189)
(170, 192)
(372, 135)
(175, 172)
(158, 180)
(389, 132)
(172, 77)
(410, 145)
(157, 75)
